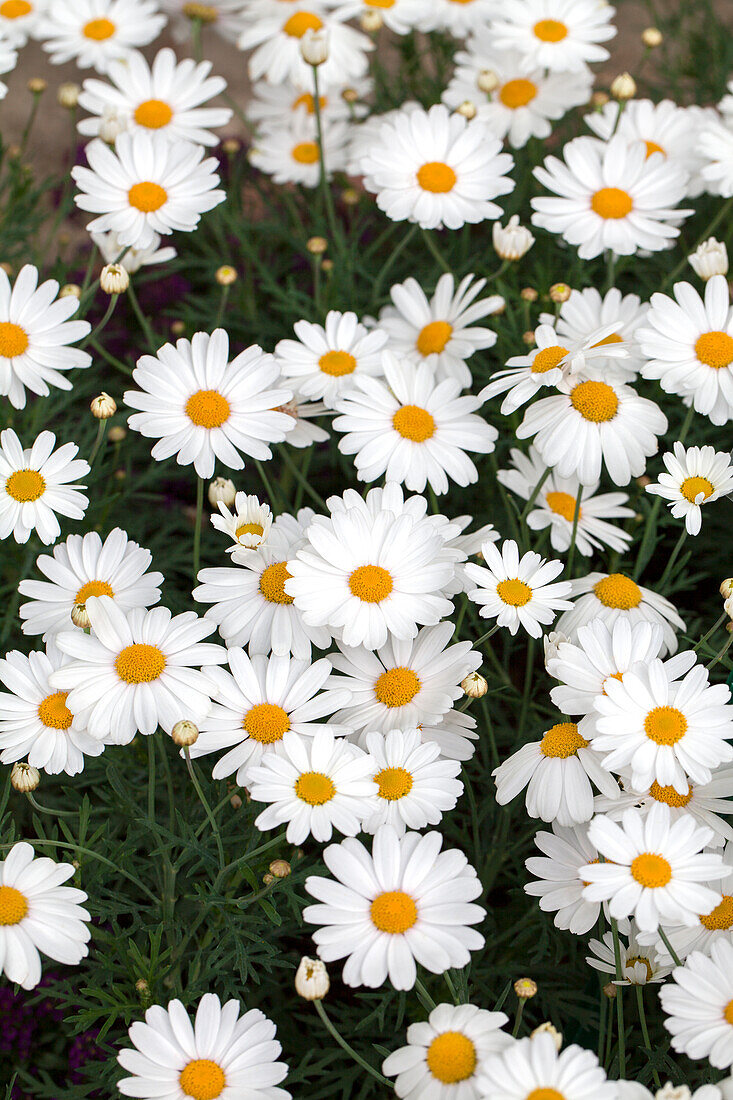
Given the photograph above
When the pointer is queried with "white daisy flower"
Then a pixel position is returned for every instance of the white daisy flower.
(661, 128)
(454, 734)
(275, 39)
(406, 683)
(586, 311)
(38, 914)
(314, 785)
(94, 33)
(364, 577)
(663, 727)
(84, 566)
(36, 483)
(603, 651)
(134, 258)
(558, 882)
(225, 17)
(711, 927)
(458, 19)
(610, 196)
(400, 16)
(535, 1066)
(248, 526)
(407, 902)
(695, 476)
(560, 35)
(22, 19)
(146, 185)
(524, 103)
(655, 868)
(589, 424)
(8, 61)
(303, 433)
(436, 169)
(517, 592)
(555, 507)
(411, 429)
(35, 336)
(289, 151)
(166, 97)
(689, 344)
(440, 331)
(324, 361)
(612, 596)
(257, 703)
(222, 1055)
(34, 719)
(415, 787)
(136, 670)
(557, 772)
(445, 1053)
(698, 1005)
(715, 145)
(640, 963)
(201, 407)
(276, 103)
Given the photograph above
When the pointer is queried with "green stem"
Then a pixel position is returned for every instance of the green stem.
(266, 482)
(222, 307)
(672, 559)
(95, 855)
(101, 429)
(345, 1046)
(722, 214)
(142, 319)
(328, 207)
(645, 1030)
(451, 988)
(31, 120)
(535, 492)
(485, 637)
(434, 250)
(673, 954)
(302, 479)
(424, 995)
(718, 623)
(107, 314)
(619, 1002)
(207, 808)
(721, 653)
(389, 262)
(47, 809)
(276, 840)
(518, 1017)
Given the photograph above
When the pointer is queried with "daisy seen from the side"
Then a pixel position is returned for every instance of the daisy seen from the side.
(134, 258)
(639, 963)
(695, 476)
(517, 592)
(94, 33)
(36, 483)
(558, 882)
(248, 526)
(325, 359)
(612, 596)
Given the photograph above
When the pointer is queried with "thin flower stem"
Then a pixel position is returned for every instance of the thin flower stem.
(672, 559)
(207, 808)
(424, 995)
(95, 855)
(107, 314)
(434, 250)
(142, 319)
(619, 1001)
(716, 625)
(197, 528)
(248, 856)
(451, 988)
(535, 492)
(345, 1046)
(48, 809)
(518, 1017)
(576, 517)
(673, 954)
(389, 262)
(328, 207)
(721, 653)
(31, 120)
(222, 307)
(721, 215)
(485, 637)
(603, 1013)
(101, 429)
(302, 479)
(266, 482)
(645, 1030)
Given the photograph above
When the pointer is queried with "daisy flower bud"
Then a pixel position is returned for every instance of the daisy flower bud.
(24, 777)
(184, 733)
(350, 196)
(178, 328)
(314, 47)
(513, 242)
(528, 338)
(552, 1031)
(117, 433)
(726, 588)
(327, 265)
(623, 87)
(371, 22)
(599, 100)
(80, 616)
(728, 608)
(114, 279)
(206, 13)
(673, 1092)
(37, 85)
(268, 879)
(528, 294)
(487, 81)
(280, 868)
(467, 109)
(316, 245)
(103, 407)
(110, 128)
(525, 988)
(475, 686)
(710, 258)
(610, 991)
(222, 489)
(231, 146)
(350, 95)
(70, 290)
(235, 802)
(552, 643)
(312, 982)
(560, 292)
(226, 275)
(68, 96)
(652, 37)
(143, 992)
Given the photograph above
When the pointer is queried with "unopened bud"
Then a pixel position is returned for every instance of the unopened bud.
(143, 992)
(643, 481)
(528, 294)
(549, 1029)
(487, 81)
(610, 991)
(513, 242)
(314, 47)
(316, 245)
(350, 95)
(68, 96)
(268, 878)
(231, 146)
(652, 37)
(37, 85)
(178, 328)
(235, 802)
(327, 265)
(80, 616)
(184, 733)
(205, 13)
(728, 607)
(474, 686)
(467, 109)
(280, 868)
(560, 292)
(729, 627)
(552, 643)
(525, 988)
(70, 290)
(222, 489)
(599, 100)
(623, 87)
(117, 433)
(350, 196)
(312, 982)
(226, 275)
(24, 777)
(528, 338)
(114, 279)
(726, 588)
(103, 407)
(710, 258)
(371, 22)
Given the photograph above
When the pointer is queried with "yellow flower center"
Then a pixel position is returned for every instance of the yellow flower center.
(204, 12)
(250, 529)
(371, 583)
(266, 723)
(618, 592)
(397, 687)
(394, 783)
(153, 113)
(614, 338)
(595, 401)
(550, 30)
(548, 359)
(669, 795)
(665, 725)
(545, 1094)
(432, 339)
(147, 197)
(93, 588)
(721, 916)
(14, 9)
(272, 583)
(337, 363)
(412, 422)
(562, 504)
(380, 3)
(436, 177)
(308, 101)
(302, 21)
(305, 152)
(632, 960)
(514, 592)
(562, 741)
(99, 29)
(315, 788)
(53, 711)
(13, 340)
(25, 486)
(451, 1057)
(13, 905)
(652, 147)
(202, 1079)
(517, 93)
(612, 203)
(728, 1013)
(715, 349)
(691, 488)
(393, 911)
(140, 663)
(208, 409)
(651, 870)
